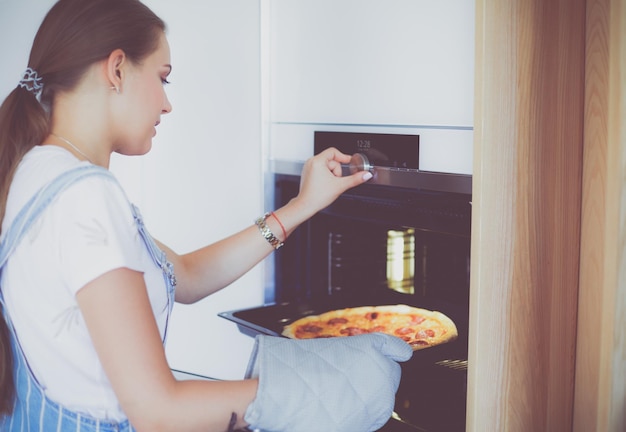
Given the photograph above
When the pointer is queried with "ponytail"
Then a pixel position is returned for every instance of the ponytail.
(23, 124)
(7, 386)
(74, 35)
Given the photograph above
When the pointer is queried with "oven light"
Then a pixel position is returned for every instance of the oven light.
(401, 260)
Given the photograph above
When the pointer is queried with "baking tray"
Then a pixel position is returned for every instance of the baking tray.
(270, 319)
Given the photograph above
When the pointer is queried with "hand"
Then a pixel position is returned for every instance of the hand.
(322, 181)
(344, 384)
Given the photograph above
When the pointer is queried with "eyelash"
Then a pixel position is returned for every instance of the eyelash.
(165, 81)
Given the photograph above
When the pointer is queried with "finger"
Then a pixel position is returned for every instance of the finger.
(332, 153)
(335, 168)
(333, 164)
(357, 178)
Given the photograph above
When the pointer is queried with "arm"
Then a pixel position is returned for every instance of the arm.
(117, 312)
(213, 267)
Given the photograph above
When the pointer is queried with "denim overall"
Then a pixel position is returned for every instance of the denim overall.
(33, 410)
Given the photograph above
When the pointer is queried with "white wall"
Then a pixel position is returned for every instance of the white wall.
(202, 180)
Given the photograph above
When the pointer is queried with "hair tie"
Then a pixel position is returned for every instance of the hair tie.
(32, 82)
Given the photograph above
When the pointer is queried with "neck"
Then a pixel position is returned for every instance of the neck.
(81, 117)
(75, 148)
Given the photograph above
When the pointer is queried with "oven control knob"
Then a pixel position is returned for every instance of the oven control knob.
(359, 162)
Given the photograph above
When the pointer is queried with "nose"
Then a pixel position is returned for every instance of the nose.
(167, 106)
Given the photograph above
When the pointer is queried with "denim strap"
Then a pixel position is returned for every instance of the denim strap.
(39, 202)
(33, 410)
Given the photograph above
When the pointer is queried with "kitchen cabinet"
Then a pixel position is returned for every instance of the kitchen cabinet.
(398, 66)
(372, 62)
(600, 397)
(548, 300)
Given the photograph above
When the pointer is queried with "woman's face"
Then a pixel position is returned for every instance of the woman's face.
(144, 101)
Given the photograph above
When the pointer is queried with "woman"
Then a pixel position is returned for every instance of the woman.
(82, 336)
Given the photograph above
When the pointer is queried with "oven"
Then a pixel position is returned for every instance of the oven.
(401, 238)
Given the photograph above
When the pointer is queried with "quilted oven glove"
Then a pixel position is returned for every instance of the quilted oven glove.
(343, 384)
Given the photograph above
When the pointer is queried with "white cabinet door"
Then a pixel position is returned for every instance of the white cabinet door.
(402, 62)
(392, 66)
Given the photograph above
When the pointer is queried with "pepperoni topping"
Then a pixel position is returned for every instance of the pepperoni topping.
(424, 334)
(404, 331)
(310, 328)
(353, 331)
(415, 327)
(418, 342)
(416, 319)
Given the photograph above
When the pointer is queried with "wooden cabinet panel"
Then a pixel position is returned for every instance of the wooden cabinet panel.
(525, 239)
(600, 399)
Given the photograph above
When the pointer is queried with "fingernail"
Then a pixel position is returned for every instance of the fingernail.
(368, 175)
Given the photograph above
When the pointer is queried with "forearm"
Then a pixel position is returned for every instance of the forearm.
(196, 405)
(209, 269)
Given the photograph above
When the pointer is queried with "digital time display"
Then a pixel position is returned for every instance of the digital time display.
(382, 150)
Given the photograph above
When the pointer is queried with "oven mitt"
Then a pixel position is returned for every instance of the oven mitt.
(333, 385)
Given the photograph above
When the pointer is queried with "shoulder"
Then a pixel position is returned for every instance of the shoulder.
(43, 164)
(100, 195)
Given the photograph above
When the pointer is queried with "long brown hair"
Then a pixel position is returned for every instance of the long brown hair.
(74, 35)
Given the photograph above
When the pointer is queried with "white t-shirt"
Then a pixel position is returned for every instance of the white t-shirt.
(87, 231)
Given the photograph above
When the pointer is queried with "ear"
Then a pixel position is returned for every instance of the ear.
(115, 68)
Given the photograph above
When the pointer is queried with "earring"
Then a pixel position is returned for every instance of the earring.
(117, 90)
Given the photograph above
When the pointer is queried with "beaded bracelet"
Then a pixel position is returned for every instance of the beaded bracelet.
(282, 228)
(267, 233)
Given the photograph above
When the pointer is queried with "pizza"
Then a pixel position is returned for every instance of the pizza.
(420, 328)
